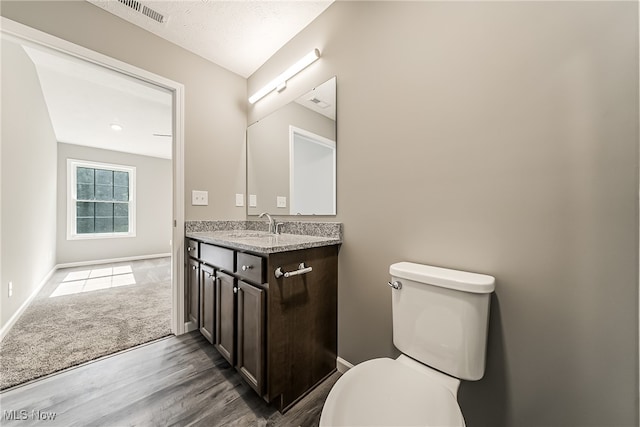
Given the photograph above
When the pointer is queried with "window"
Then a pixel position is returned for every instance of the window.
(101, 200)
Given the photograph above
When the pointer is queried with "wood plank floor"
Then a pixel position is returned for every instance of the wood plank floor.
(177, 381)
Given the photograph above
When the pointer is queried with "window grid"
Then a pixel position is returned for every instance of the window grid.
(98, 193)
(101, 204)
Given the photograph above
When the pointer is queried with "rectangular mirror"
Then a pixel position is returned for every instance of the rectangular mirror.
(291, 157)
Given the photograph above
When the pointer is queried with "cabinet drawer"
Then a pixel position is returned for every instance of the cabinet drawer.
(250, 267)
(192, 248)
(217, 256)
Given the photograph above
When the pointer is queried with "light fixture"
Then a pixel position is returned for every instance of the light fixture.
(280, 82)
(116, 127)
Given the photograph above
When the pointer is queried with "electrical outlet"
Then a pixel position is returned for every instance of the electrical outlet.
(253, 200)
(281, 202)
(199, 198)
(10, 289)
(239, 199)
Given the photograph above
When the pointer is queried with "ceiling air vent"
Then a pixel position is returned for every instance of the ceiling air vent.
(320, 103)
(133, 4)
(147, 11)
(156, 16)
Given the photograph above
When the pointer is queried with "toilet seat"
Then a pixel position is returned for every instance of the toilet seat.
(386, 392)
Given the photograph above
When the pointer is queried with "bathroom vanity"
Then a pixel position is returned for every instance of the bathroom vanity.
(268, 303)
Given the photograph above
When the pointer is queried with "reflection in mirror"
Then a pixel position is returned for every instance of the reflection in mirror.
(291, 157)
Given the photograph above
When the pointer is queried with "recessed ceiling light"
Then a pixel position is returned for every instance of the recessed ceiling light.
(116, 127)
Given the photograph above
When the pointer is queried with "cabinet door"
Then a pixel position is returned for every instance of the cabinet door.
(207, 302)
(193, 290)
(225, 316)
(250, 332)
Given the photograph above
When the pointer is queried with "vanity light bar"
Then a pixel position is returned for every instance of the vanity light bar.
(280, 82)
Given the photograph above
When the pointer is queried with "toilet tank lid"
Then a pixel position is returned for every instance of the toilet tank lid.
(444, 277)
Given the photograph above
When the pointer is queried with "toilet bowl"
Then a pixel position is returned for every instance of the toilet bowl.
(440, 320)
(388, 392)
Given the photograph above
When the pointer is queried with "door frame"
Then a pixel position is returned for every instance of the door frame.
(320, 140)
(28, 34)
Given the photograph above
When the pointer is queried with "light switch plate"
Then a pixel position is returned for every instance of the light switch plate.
(281, 202)
(253, 200)
(199, 198)
(239, 199)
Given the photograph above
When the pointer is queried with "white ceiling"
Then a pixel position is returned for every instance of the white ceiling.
(84, 99)
(239, 35)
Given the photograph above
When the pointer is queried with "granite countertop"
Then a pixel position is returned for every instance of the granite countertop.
(262, 241)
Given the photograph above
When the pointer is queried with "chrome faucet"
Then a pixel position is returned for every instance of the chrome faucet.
(271, 222)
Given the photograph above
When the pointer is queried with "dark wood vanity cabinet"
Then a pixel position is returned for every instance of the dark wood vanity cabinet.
(192, 291)
(250, 328)
(279, 333)
(207, 302)
(240, 321)
(225, 340)
(302, 323)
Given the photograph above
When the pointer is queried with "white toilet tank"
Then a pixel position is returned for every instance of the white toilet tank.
(441, 316)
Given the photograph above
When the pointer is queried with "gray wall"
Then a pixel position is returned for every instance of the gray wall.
(512, 135)
(153, 208)
(500, 138)
(28, 182)
(268, 153)
(215, 98)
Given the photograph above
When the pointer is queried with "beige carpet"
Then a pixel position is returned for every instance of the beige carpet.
(84, 313)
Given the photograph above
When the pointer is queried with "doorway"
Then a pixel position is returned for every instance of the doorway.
(44, 267)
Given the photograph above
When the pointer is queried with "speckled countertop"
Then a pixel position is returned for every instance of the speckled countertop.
(252, 235)
(262, 241)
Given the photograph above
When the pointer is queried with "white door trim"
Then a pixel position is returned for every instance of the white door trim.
(319, 139)
(30, 35)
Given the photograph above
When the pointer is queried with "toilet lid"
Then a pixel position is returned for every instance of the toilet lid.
(384, 392)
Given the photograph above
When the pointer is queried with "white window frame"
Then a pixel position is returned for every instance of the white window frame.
(72, 198)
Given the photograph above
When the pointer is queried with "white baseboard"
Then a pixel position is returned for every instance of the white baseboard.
(112, 260)
(190, 326)
(7, 327)
(342, 365)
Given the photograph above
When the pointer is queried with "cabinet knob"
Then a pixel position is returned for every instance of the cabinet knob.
(190, 248)
(235, 290)
(194, 267)
(247, 267)
(209, 274)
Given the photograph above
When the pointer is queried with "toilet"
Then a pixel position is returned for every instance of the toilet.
(440, 322)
